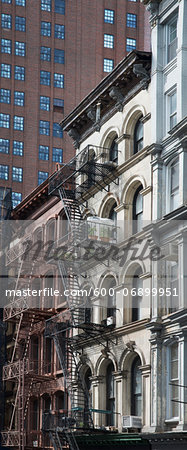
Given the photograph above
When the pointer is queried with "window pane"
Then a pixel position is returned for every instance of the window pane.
(4, 172)
(4, 145)
(16, 198)
(20, 2)
(108, 65)
(44, 127)
(108, 40)
(58, 56)
(130, 44)
(20, 48)
(109, 16)
(60, 6)
(6, 21)
(44, 152)
(5, 70)
(46, 28)
(20, 23)
(44, 103)
(5, 120)
(6, 1)
(19, 73)
(131, 20)
(59, 31)
(42, 176)
(58, 80)
(5, 96)
(46, 5)
(18, 148)
(19, 98)
(57, 130)
(18, 123)
(57, 155)
(6, 46)
(17, 174)
(45, 78)
(45, 53)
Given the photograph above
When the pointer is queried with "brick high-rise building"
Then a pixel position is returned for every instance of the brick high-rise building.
(53, 52)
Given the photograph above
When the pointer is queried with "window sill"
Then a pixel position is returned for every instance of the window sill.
(171, 65)
(174, 420)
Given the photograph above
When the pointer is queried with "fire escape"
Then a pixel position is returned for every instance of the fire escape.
(90, 170)
(23, 373)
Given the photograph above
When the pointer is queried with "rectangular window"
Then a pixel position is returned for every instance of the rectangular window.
(57, 130)
(4, 172)
(4, 146)
(44, 103)
(59, 31)
(20, 48)
(57, 155)
(172, 281)
(174, 185)
(108, 65)
(131, 20)
(20, 23)
(46, 5)
(108, 41)
(58, 104)
(6, 46)
(44, 152)
(45, 77)
(109, 16)
(4, 120)
(18, 147)
(18, 123)
(44, 127)
(5, 96)
(19, 73)
(5, 70)
(173, 381)
(20, 2)
(130, 44)
(46, 28)
(6, 1)
(59, 56)
(6, 21)
(60, 6)
(58, 80)
(42, 176)
(17, 174)
(19, 98)
(16, 198)
(172, 109)
(172, 39)
(45, 53)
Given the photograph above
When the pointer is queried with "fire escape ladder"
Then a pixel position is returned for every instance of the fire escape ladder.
(70, 438)
(71, 207)
(17, 336)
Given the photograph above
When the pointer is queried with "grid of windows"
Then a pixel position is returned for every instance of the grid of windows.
(108, 65)
(59, 56)
(44, 152)
(46, 5)
(58, 80)
(18, 123)
(45, 53)
(4, 172)
(6, 46)
(6, 21)
(44, 103)
(4, 120)
(4, 146)
(20, 23)
(42, 176)
(108, 40)
(45, 77)
(18, 148)
(20, 2)
(109, 16)
(19, 98)
(131, 20)
(16, 198)
(44, 127)
(46, 28)
(19, 73)
(130, 44)
(60, 6)
(20, 48)
(17, 174)
(57, 130)
(57, 155)
(59, 31)
(58, 103)
(5, 70)
(5, 96)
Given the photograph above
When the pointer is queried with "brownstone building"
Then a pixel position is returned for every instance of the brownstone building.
(53, 52)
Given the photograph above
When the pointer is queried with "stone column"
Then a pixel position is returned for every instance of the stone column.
(146, 372)
(156, 379)
(98, 399)
(119, 378)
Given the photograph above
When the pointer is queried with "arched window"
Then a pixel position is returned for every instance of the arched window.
(111, 301)
(136, 388)
(113, 154)
(137, 210)
(110, 394)
(88, 383)
(51, 230)
(137, 299)
(138, 136)
(47, 355)
(60, 401)
(35, 353)
(174, 184)
(48, 297)
(34, 409)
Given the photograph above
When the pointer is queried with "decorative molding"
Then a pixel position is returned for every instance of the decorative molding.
(122, 137)
(144, 119)
(146, 191)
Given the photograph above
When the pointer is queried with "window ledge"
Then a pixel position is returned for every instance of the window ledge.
(172, 420)
(170, 66)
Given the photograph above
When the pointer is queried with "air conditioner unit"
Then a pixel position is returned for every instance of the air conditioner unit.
(131, 422)
(110, 321)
